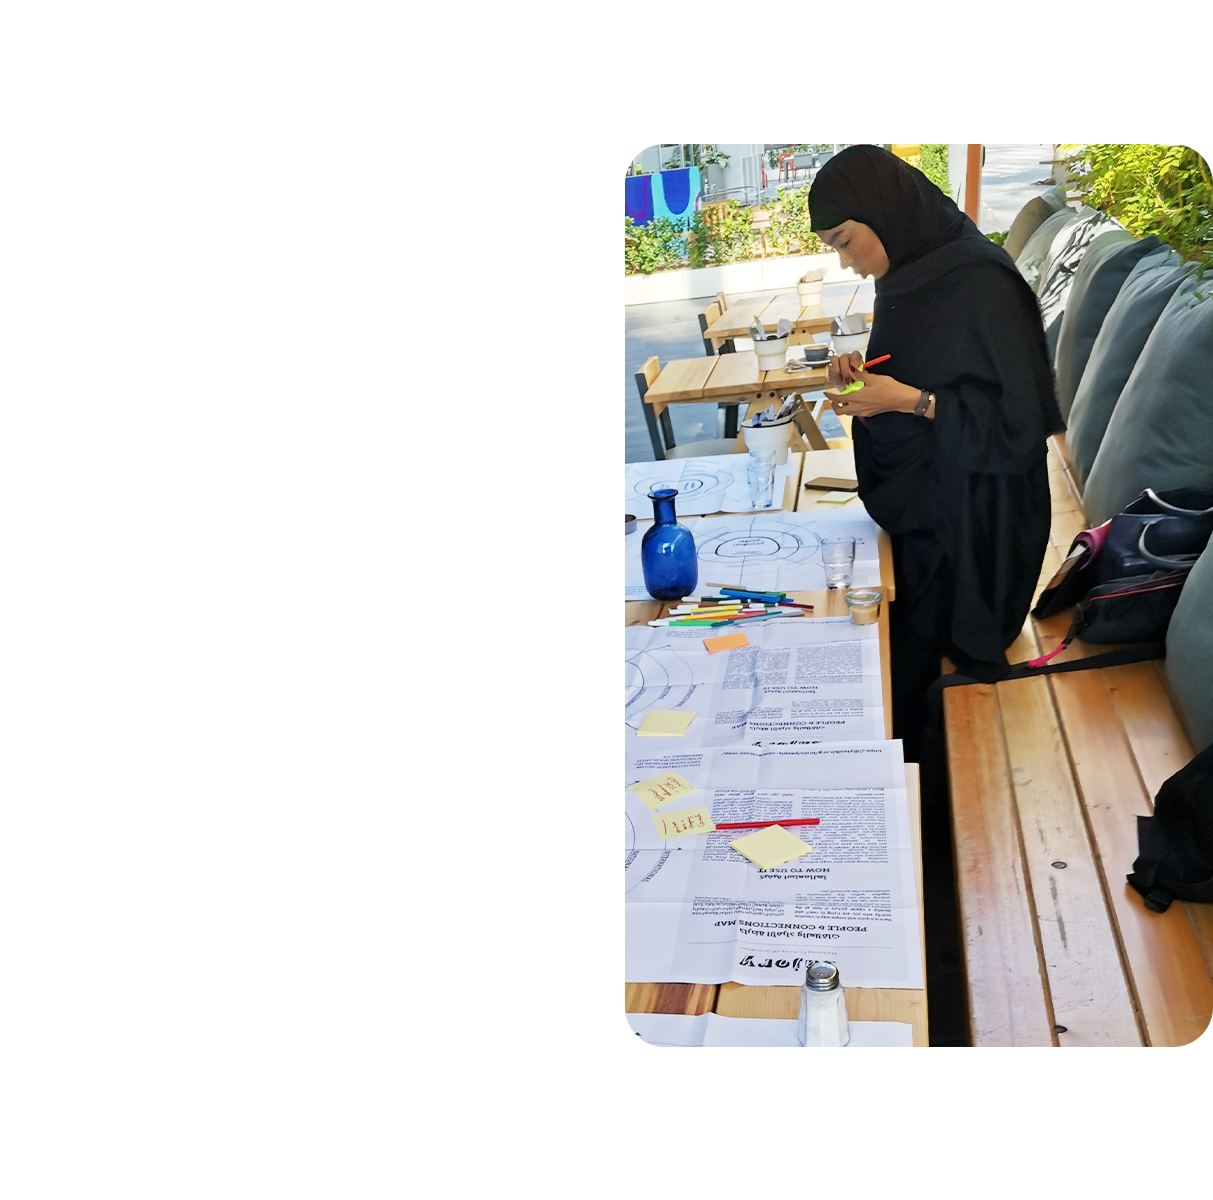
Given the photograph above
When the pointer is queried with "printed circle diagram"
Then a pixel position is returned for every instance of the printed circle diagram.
(658, 678)
(690, 483)
(772, 541)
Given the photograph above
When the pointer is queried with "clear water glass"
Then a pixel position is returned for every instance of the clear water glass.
(761, 476)
(838, 558)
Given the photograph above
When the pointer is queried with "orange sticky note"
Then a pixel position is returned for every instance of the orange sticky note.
(730, 641)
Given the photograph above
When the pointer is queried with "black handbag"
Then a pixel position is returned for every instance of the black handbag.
(1158, 532)
(1175, 845)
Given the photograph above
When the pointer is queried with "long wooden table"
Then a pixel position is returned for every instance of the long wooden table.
(1048, 775)
(736, 320)
(908, 1005)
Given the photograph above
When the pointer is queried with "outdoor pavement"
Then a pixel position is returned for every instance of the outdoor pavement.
(671, 329)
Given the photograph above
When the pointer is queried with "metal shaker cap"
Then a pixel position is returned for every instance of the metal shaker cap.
(822, 977)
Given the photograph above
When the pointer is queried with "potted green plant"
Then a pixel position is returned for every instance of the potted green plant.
(713, 162)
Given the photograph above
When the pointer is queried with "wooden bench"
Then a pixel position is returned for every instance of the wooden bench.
(1047, 776)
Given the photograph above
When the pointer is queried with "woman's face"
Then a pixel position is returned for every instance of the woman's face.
(858, 248)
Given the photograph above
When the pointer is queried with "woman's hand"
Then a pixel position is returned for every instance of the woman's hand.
(845, 368)
(880, 393)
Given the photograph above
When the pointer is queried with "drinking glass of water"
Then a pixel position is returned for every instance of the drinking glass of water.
(838, 557)
(761, 476)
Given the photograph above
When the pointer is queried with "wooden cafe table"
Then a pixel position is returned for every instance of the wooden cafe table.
(736, 320)
(721, 379)
(907, 1005)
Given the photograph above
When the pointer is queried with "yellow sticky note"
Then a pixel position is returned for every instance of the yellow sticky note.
(661, 789)
(660, 722)
(770, 846)
(685, 823)
(728, 642)
(836, 497)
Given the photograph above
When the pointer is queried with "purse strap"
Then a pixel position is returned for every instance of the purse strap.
(1181, 562)
(1179, 512)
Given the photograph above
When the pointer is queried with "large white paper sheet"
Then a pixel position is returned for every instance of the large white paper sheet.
(801, 679)
(709, 484)
(779, 551)
(711, 1029)
(699, 912)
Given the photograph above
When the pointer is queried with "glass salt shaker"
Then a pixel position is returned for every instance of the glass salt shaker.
(823, 1007)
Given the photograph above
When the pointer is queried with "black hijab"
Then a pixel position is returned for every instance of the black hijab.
(909, 214)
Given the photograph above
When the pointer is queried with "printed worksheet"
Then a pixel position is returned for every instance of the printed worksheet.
(710, 484)
(712, 1029)
(801, 680)
(697, 911)
(779, 551)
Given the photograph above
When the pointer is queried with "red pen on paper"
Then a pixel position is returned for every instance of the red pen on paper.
(764, 824)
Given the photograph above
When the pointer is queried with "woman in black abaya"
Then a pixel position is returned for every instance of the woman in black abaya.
(950, 430)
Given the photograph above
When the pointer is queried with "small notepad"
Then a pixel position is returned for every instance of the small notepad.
(771, 846)
(686, 822)
(836, 497)
(661, 789)
(730, 641)
(660, 722)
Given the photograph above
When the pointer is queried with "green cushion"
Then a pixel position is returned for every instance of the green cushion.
(1031, 258)
(1116, 349)
(1189, 664)
(1160, 434)
(1031, 217)
(1104, 268)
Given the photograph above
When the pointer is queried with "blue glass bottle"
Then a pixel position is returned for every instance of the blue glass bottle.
(667, 551)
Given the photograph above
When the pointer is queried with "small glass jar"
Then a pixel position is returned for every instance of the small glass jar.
(823, 1007)
(864, 604)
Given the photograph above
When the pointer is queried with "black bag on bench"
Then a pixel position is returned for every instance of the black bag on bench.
(1159, 531)
(1175, 845)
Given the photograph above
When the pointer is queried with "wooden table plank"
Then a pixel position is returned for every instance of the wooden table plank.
(733, 375)
(680, 379)
(736, 320)
(1167, 970)
(1007, 995)
(1087, 984)
(685, 999)
(908, 1005)
(780, 308)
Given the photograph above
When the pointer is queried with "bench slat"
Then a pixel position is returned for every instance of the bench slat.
(1086, 979)
(1167, 970)
(1008, 1003)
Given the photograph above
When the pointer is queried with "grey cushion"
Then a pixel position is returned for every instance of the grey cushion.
(1031, 258)
(1189, 664)
(1104, 268)
(1160, 434)
(1031, 217)
(1054, 289)
(1124, 331)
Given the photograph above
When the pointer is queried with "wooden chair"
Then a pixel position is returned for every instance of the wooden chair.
(719, 346)
(760, 221)
(721, 301)
(706, 318)
(645, 378)
(695, 449)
